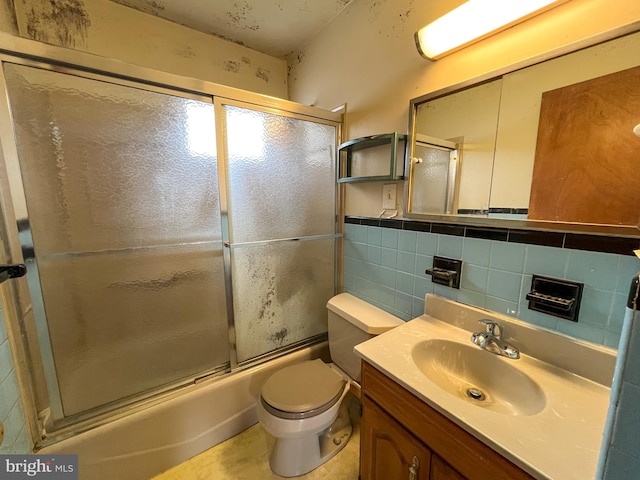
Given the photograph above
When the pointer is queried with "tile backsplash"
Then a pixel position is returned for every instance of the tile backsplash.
(16, 439)
(620, 456)
(385, 265)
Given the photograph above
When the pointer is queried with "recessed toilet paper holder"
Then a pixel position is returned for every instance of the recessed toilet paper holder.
(15, 270)
(445, 271)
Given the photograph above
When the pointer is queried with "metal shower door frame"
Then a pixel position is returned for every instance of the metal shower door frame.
(24, 230)
(16, 295)
(220, 103)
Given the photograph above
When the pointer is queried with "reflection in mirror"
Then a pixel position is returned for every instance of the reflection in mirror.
(585, 149)
(563, 126)
(434, 175)
(469, 118)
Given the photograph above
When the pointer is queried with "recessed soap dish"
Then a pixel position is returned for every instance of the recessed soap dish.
(553, 296)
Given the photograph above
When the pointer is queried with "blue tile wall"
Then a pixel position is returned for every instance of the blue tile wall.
(623, 455)
(386, 267)
(16, 438)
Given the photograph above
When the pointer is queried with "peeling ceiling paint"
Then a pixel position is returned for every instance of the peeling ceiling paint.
(64, 22)
(274, 27)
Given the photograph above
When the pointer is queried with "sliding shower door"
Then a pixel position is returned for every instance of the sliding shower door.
(282, 204)
(172, 229)
(121, 188)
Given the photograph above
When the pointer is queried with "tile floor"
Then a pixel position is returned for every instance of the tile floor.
(246, 457)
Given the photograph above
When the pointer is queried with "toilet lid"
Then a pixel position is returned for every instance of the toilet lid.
(302, 387)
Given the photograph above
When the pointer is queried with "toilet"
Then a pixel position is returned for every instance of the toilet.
(303, 406)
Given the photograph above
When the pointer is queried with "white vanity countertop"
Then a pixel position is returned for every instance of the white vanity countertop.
(560, 442)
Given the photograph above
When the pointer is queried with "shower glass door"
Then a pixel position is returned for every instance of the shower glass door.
(281, 178)
(121, 188)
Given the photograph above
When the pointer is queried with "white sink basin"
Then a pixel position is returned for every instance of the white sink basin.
(479, 377)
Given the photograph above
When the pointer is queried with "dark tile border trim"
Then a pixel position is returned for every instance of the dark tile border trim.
(391, 224)
(472, 211)
(500, 234)
(508, 211)
(597, 243)
(416, 226)
(372, 222)
(536, 237)
(447, 229)
(575, 241)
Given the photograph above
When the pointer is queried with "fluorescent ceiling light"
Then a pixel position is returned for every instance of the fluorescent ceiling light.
(473, 21)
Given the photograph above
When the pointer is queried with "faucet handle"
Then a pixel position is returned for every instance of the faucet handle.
(493, 327)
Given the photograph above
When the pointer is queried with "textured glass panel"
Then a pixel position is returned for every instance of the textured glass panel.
(107, 166)
(280, 293)
(281, 175)
(122, 192)
(126, 322)
(371, 162)
(430, 179)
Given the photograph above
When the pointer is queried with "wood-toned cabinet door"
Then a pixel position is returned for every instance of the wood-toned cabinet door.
(441, 470)
(387, 450)
(388, 446)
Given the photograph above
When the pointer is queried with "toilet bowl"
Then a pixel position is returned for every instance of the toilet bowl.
(305, 406)
(300, 406)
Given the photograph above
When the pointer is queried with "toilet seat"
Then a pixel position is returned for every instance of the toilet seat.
(303, 390)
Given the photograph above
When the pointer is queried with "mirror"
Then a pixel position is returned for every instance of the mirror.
(551, 145)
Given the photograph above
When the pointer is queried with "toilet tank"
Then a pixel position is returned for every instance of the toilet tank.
(353, 321)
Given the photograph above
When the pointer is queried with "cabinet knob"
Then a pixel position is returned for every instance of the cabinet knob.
(413, 469)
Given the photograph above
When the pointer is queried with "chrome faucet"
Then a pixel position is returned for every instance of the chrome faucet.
(492, 342)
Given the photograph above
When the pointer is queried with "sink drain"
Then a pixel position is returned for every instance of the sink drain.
(475, 393)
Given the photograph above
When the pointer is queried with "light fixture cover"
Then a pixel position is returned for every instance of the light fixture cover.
(473, 21)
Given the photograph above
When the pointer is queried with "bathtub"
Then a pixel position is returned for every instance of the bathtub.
(150, 441)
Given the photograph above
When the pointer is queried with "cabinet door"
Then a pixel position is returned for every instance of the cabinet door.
(465, 453)
(441, 470)
(387, 450)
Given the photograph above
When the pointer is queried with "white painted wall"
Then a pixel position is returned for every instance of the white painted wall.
(367, 58)
(7, 19)
(111, 30)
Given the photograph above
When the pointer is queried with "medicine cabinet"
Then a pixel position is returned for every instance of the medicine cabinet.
(373, 158)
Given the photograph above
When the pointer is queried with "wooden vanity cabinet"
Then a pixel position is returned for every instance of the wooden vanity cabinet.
(387, 450)
(441, 470)
(399, 431)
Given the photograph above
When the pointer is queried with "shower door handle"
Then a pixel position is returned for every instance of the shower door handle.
(12, 271)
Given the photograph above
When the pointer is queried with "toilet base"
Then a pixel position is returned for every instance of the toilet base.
(296, 456)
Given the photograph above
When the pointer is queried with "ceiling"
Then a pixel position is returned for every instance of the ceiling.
(274, 27)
